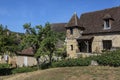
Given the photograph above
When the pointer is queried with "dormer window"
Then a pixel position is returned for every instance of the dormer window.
(107, 24)
(107, 21)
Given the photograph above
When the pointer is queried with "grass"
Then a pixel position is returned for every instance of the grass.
(74, 73)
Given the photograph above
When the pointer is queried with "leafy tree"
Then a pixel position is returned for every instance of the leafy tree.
(2, 42)
(27, 27)
(61, 52)
(41, 39)
(33, 38)
(61, 45)
(48, 44)
(12, 42)
(8, 41)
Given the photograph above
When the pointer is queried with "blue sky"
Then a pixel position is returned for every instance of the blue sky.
(14, 13)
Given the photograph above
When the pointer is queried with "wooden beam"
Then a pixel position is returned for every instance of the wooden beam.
(87, 44)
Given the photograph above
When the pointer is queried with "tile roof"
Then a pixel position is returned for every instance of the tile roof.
(74, 21)
(58, 27)
(93, 22)
(85, 38)
(29, 52)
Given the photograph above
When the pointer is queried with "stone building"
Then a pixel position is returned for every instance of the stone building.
(93, 32)
(26, 58)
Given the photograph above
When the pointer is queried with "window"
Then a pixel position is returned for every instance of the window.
(107, 44)
(71, 30)
(107, 24)
(71, 47)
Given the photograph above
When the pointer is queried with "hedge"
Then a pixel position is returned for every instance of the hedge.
(5, 65)
(72, 62)
(23, 69)
(109, 59)
(6, 70)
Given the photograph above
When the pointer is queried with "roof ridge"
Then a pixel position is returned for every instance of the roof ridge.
(76, 23)
(100, 10)
(60, 23)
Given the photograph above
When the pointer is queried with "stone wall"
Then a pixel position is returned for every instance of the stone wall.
(30, 61)
(71, 40)
(76, 33)
(97, 44)
(71, 53)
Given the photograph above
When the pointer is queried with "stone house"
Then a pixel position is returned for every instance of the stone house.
(26, 58)
(93, 32)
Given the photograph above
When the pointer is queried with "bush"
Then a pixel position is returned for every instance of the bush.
(72, 62)
(5, 65)
(5, 71)
(23, 69)
(45, 65)
(106, 59)
(109, 59)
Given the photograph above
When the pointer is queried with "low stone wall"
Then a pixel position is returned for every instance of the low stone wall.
(82, 54)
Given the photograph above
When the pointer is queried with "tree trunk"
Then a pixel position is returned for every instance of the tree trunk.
(38, 62)
(50, 57)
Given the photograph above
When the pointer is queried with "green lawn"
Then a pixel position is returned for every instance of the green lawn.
(72, 73)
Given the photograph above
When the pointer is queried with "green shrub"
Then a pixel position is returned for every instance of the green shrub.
(72, 62)
(109, 59)
(5, 65)
(5, 71)
(23, 69)
(45, 65)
